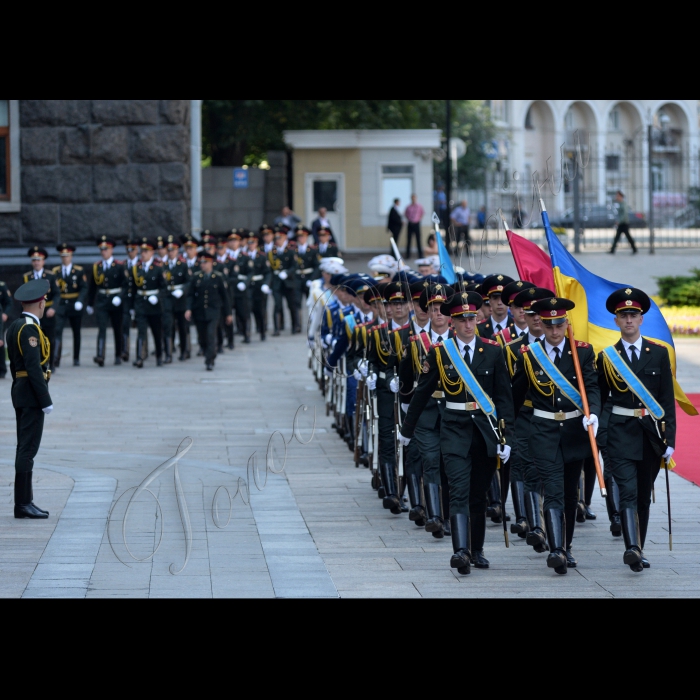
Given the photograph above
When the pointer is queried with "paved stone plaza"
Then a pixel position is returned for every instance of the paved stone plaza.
(316, 531)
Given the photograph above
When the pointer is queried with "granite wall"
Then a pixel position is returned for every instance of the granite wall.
(94, 167)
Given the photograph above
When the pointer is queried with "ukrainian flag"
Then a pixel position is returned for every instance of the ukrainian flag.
(591, 321)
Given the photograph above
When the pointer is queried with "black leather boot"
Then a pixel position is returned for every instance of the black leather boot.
(630, 533)
(100, 358)
(277, 325)
(391, 500)
(581, 507)
(434, 523)
(138, 362)
(168, 351)
(612, 503)
(520, 526)
(571, 520)
(461, 559)
(57, 354)
(555, 523)
(402, 492)
(445, 500)
(643, 518)
(125, 347)
(536, 536)
(494, 510)
(417, 512)
(24, 508)
(478, 535)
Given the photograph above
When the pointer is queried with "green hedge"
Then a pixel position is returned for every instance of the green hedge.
(680, 291)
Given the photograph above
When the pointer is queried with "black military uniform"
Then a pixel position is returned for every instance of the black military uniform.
(73, 287)
(558, 442)
(284, 283)
(132, 246)
(493, 286)
(29, 351)
(307, 263)
(636, 441)
(190, 245)
(150, 286)
(259, 280)
(469, 438)
(5, 308)
(207, 299)
(52, 298)
(107, 289)
(326, 249)
(177, 277)
(238, 281)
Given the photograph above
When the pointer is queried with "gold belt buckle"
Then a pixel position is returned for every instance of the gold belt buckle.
(638, 412)
(560, 415)
(470, 406)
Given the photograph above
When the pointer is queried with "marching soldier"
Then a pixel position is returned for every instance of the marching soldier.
(177, 276)
(150, 285)
(284, 283)
(307, 262)
(222, 264)
(38, 257)
(132, 258)
(73, 287)
(558, 442)
(326, 249)
(5, 308)
(206, 297)
(492, 289)
(238, 279)
(106, 292)
(476, 425)
(29, 351)
(636, 378)
(259, 280)
(161, 254)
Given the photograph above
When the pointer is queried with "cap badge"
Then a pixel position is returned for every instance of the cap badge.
(553, 313)
(532, 292)
(553, 302)
(628, 302)
(500, 278)
(628, 292)
(519, 284)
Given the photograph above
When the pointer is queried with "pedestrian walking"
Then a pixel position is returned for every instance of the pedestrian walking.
(622, 219)
(414, 216)
(395, 223)
(459, 218)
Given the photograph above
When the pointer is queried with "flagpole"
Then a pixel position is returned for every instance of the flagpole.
(581, 387)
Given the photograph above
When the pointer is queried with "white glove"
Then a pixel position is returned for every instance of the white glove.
(363, 366)
(132, 313)
(90, 310)
(404, 407)
(312, 343)
(668, 454)
(78, 305)
(48, 409)
(309, 283)
(357, 375)
(116, 301)
(328, 340)
(593, 420)
(178, 293)
(404, 440)
(283, 275)
(395, 385)
(265, 289)
(372, 382)
(153, 299)
(241, 287)
(504, 453)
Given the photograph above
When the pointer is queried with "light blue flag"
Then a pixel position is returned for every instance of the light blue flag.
(446, 268)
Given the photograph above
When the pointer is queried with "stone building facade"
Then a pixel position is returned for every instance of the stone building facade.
(94, 167)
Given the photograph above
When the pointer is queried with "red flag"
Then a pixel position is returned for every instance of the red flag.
(534, 265)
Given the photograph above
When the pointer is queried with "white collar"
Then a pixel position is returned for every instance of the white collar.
(34, 318)
(519, 330)
(421, 329)
(461, 345)
(302, 249)
(533, 338)
(434, 335)
(502, 324)
(548, 348)
(147, 265)
(395, 326)
(108, 262)
(68, 267)
(637, 344)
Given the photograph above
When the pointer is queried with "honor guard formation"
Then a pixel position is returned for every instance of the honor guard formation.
(456, 394)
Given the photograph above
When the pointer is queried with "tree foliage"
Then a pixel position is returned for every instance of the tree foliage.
(241, 132)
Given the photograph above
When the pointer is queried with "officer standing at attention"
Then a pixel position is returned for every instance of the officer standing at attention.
(106, 292)
(5, 308)
(284, 284)
(132, 258)
(326, 248)
(38, 256)
(207, 298)
(558, 443)
(307, 262)
(635, 376)
(177, 275)
(473, 375)
(73, 287)
(29, 351)
(150, 284)
(260, 278)
(238, 276)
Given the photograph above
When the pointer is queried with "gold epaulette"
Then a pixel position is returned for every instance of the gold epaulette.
(515, 340)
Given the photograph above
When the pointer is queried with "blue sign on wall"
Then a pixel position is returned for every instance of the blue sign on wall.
(240, 179)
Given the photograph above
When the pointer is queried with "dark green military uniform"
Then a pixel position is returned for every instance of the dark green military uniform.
(29, 351)
(207, 299)
(128, 305)
(284, 266)
(238, 275)
(177, 277)
(74, 289)
(259, 274)
(52, 299)
(307, 269)
(149, 284)
(5, 308)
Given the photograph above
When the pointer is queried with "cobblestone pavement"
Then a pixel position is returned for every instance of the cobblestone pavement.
(317, 530)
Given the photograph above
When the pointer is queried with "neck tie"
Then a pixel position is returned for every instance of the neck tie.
(557, 357)
(467, 356)
(498, 328)
(523, 333)
(65, 272)
(635, 359)
(439, 339)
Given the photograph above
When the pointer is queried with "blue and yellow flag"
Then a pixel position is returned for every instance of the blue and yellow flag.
(591, 321)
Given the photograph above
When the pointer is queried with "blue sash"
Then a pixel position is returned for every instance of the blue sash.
(552, 371)
(473, 386)
(633, 382)
(350, 323)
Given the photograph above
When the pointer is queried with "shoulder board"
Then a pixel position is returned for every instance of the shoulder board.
(653, 342)
(56, 269)
(581, 344)
(156, 263)
(515, 340)
(78, 267)
(119, 262)
(404, 327)
(525, 348)
(489, 342)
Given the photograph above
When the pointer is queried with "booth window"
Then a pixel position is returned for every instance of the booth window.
(397, 183)
(5, 179)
